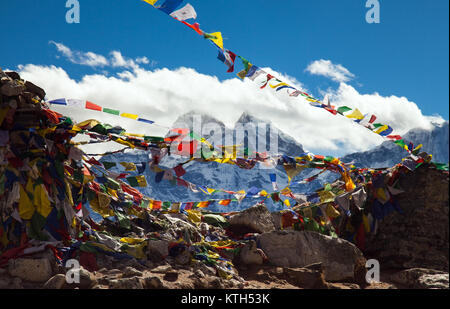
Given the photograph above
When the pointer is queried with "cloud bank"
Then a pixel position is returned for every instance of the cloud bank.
(163, 95)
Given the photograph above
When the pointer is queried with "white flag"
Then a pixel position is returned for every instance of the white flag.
(76, 103)
(184, 13)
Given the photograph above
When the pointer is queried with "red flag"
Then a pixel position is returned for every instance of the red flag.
(90, 105)
(195, 27)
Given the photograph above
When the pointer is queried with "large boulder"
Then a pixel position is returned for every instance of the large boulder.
(33, 270)
(256, 219)
(419, 236)
(341, 260)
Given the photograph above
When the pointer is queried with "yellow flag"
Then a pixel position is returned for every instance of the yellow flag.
(263, 193)
(152, 2)
(41, 201)
(381, 129)
(287, 203)
(131, 116)
(279, 85)
(356, 114)
(194, 216)
(129, 167)
(26, 208)
(216, 37)
(332, 212)
(141, 181)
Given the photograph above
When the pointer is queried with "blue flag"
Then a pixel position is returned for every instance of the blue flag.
(170, 5)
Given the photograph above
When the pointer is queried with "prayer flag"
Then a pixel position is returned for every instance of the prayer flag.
(169, 6)
(58, 102)
(92, 106)
(111, 111)
(131, 116)
(152, 2)
(187, 12)
(227, 57)
(216, 38)
(195, 27)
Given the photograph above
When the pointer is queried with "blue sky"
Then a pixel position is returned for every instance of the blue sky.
(406, 55)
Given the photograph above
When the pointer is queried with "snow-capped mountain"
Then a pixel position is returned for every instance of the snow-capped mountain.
(387, 154)
(232, 178)
(223, 176)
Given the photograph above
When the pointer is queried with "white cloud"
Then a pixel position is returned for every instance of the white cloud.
(162, 95)
(84, 58)
(143, 60)
(334, 71)
(117, 60)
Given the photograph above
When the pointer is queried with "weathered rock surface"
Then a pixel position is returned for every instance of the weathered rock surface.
(254, 219)
(340, 259)
(251, 255)
(34, 270)
(56, 282)
(420, 236)
(421, 278)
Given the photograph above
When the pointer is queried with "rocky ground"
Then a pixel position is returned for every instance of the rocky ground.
(276, 263)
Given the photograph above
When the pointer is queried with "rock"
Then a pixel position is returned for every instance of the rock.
(131, 272)
(5, 282)
(199, 274)
(13, 75)
(421, 278)
(171, 276)
(215, 283)
(127, 284)
(206, 270)
(34, 270)
(35, 89)
(11, 89)
(341, 260)
(16, 284)
(87, 279)
(114, 272)
(153, 283)
(254, 219)
(249, 254)
(157, 249)
(342, 286)
(276, 219)
(183, 258)
(437, 281)
(306, 278)
(420, 236)
(56, 282)
(162, 269)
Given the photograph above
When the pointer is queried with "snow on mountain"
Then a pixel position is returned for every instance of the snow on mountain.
(232, 178)
(223, 176)
(435, 142)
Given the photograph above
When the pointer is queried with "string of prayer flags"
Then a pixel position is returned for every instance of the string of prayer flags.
(252, 72)
(89, 105)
